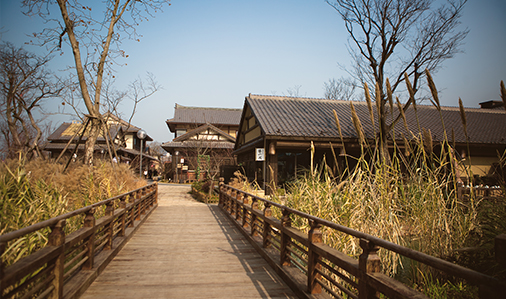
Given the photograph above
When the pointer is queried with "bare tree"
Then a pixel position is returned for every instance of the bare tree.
(24, 84)
(397, 39)
(339, 89)
(294, 92)
(95, 42)
(137, 91)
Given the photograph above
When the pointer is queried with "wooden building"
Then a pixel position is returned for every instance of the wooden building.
(276, 133)
(203, 142)
(123, 136)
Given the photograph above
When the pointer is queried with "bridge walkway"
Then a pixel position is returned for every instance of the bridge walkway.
(187, 249)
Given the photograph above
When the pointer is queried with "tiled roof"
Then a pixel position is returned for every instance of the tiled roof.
(201, 115)
(66, 131)
(309, 117)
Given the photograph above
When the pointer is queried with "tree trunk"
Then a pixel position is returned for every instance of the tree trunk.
(91, 141)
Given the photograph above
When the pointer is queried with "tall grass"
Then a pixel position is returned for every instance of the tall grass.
(410, 200)
(33, 191)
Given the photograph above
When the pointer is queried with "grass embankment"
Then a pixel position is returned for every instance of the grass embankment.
(38, 190)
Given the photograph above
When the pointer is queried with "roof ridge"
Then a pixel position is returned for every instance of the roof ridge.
(178, 106)
(429, 106)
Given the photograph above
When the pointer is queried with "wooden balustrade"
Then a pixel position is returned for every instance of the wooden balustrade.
(68, 264)
(313, 268)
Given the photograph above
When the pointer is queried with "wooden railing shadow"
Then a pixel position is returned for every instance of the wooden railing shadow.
(68, 264)
(315, 270)
(252, 270)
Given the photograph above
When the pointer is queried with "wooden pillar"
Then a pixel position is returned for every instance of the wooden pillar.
(57, 238)
(109, 211)
(144, 201)
(238, 209)
(368, 262)
(138, 205)
(266, 242)
(122, 205)
(2, 267)
(315, 237)
(131, 200)
(272, 170)
(222, 182)
(245, 201)
(233, 206)
(228, 204)
(500, 249)
(285, 239)
(89, 221)
(254, 206)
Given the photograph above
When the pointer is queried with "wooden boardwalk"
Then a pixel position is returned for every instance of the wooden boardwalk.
(187, 249)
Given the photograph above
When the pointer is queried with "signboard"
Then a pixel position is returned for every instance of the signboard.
(259, 154)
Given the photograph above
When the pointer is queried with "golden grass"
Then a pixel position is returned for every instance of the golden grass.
(33, 191)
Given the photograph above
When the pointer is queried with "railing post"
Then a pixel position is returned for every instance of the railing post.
(220, 188)
(500, 249)
(89, 221)
(57, 238)
(233, 199)
(500, 257)
(122, 205)
(368, 262)
(228, 203)
(138, 203)
(254, 206)
(245, 201)
(143, 201)
(131, 200)
(156, 194)
(267, 227)
(314, 236)
(2, 266)
(109, 211)
(238, 201)
(285, 239)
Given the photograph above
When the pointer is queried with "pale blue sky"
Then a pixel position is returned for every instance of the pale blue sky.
(213, 53)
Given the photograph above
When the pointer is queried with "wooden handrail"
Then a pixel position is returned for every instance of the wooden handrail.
(53, 270)
(50, 222)
(235, 201)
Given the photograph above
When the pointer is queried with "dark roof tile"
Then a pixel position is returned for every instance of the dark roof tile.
(200, 115)
(309, 117)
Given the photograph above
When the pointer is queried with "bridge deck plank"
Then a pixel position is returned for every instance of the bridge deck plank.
(187, 249)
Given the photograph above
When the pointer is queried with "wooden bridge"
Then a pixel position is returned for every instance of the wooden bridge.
(156, 242)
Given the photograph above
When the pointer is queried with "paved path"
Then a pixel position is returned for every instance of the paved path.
(187, 249)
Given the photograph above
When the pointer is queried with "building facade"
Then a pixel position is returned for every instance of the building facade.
(280, 136)
(203, 141)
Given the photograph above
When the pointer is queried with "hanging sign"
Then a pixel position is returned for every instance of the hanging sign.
(259, 154)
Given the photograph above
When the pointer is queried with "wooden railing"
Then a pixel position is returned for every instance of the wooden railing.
(311, 267)
(68, 264)
(484, 192)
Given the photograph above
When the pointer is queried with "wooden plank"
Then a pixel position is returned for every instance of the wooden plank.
(187, 249)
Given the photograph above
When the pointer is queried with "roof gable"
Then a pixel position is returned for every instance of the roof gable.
(205, 132)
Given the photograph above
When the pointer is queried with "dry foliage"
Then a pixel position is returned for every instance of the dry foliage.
(31, 192)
